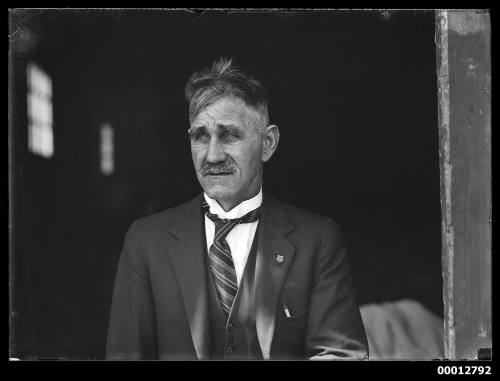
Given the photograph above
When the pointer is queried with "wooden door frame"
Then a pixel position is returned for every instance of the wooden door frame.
(464, 115)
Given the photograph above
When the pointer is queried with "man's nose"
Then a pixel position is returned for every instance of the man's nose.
(215, 151)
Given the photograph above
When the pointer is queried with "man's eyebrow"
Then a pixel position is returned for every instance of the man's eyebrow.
(227, 125)
(192, 130)
(203, 128)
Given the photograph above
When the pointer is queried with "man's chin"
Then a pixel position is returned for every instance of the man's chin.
(218, 191)
(218, 194)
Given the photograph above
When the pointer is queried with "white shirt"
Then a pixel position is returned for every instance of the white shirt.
(240, 238)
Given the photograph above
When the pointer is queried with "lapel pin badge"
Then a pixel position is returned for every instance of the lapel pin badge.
(279, 258)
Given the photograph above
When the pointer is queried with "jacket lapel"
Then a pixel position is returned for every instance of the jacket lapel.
(274, 256)
(187, 257)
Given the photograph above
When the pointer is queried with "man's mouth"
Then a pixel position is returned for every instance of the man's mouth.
(219, 174)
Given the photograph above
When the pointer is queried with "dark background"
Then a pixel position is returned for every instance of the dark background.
(354, 95)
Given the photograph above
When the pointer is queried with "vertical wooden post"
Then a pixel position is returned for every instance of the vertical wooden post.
(464, 83)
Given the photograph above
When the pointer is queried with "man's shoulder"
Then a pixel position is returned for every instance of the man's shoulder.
(162, 220)
(303, 218)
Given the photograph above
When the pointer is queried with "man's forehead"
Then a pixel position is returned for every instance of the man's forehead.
(225, 111)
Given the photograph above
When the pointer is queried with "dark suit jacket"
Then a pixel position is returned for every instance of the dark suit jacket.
(160, 300)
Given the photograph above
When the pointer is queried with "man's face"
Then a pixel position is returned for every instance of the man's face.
(227, 151)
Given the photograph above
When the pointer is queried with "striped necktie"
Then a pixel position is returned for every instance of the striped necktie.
(219, 256)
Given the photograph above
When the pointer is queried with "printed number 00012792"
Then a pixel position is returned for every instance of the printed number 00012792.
(465, 370)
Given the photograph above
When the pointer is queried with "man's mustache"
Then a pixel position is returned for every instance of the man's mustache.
(227, 166)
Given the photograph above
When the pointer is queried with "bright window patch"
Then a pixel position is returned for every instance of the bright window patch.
(40, 132)
(107, 148)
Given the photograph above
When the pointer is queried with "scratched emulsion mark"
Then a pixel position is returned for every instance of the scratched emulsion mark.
(472, 67)
(22, 39)
(483, 332)
(468, 22)
(385, 13)
(446, 180)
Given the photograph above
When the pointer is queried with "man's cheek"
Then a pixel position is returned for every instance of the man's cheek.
(197, 159)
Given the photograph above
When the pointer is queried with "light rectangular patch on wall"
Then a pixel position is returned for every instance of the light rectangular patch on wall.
(107, 148)
(40, 121)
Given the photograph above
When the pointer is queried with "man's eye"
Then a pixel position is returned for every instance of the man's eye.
(201, 137)
(227, 135)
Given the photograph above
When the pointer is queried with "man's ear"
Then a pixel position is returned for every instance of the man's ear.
(271, 138)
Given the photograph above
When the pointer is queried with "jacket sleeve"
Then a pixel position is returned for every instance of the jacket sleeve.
(132, 330)
(334, 329)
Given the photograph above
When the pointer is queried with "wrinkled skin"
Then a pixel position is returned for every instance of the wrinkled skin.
(229, 145)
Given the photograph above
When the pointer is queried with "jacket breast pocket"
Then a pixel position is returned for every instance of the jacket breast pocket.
(290, 333)
(289, 317)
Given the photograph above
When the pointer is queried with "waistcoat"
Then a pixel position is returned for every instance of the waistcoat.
(237, 338)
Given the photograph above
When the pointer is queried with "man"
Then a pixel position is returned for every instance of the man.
(234, 273)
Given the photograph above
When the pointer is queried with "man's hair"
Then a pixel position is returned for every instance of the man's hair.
(225, 79)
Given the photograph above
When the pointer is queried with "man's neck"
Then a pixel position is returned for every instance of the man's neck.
(242, 207)
(229, 205)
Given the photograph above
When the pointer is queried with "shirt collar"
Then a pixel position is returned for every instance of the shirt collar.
(238, 211)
